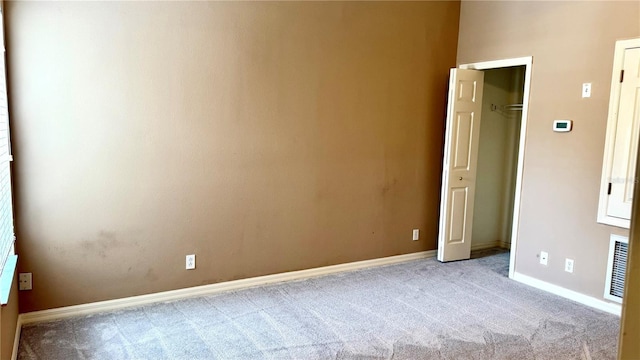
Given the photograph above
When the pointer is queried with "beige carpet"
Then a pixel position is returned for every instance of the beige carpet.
(416, 310)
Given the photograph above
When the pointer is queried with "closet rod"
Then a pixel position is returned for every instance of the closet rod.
(508, 107)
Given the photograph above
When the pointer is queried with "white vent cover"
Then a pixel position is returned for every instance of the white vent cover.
(616, 268)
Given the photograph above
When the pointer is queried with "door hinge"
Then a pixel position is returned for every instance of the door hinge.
(609, 190)
(621, 75)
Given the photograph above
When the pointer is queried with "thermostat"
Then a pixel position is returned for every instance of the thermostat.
(562, 125)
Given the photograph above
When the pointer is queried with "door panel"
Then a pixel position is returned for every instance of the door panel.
(463, 135)
(459, 164)
(458, 207)
(466, 90)
(627, 133)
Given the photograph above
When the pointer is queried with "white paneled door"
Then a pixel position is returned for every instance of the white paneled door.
(626, 141)
(459, 164)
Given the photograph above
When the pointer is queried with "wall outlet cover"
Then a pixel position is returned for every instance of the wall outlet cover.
(25, 281)
(568, 265)
(191, 262)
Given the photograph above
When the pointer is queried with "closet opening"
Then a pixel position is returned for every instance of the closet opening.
(499, 140)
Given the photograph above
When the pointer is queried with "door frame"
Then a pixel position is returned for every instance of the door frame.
(496, 64)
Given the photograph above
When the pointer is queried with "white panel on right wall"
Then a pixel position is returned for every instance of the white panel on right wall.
(621, 147)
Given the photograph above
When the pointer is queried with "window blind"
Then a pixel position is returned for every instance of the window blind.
(6, 207)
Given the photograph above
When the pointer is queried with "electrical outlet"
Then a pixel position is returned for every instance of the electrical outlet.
(568, 265)
(191, 262)
(544, 257)
(416, 234)
(25, 281)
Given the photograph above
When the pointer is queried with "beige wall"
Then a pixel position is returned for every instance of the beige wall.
(571, 43)
(262, 137)
(497, 157)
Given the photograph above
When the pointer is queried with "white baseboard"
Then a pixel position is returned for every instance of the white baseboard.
(609, 307)
(16, 339)
(101, 306)
(504, 244)
(490, 245)
(484, 245)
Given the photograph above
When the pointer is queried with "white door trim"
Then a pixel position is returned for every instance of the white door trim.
(495, 64)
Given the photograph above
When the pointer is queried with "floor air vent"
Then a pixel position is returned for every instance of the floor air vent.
(616, 268)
